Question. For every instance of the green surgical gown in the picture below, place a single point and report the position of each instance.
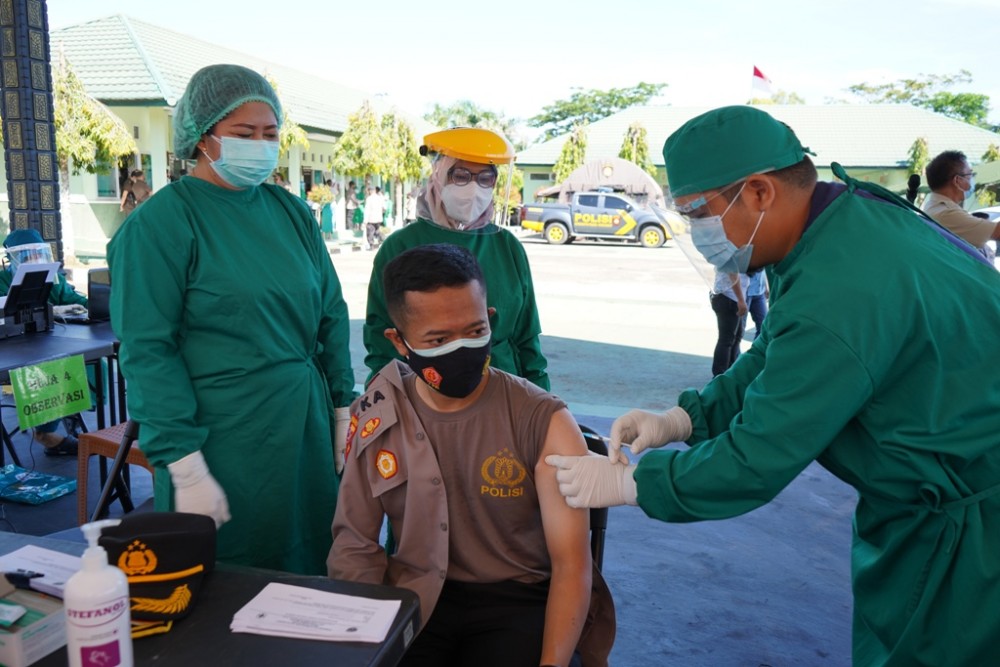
(234, 337)
(878, 359)
(515, 345)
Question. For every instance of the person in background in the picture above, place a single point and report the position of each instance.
(451, 451)
(351, 203)
(457, 207)
(758, 292)
(238, 369)
(730, 306)
(950, 178)
(374, 218)
(26, 246)
(134, 192)
(411, 208)
(874, 360)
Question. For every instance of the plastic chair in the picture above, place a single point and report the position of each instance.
(598, 515)
(116, 442)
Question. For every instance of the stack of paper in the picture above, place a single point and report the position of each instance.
(281, 610)
(55, 565)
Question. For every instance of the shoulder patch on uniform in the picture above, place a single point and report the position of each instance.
(370, 426)
(386, 464)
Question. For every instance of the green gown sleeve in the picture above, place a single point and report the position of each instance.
(149, 352)
(63, 294)
(335, 322)
(378, 349)
(791, 416)
(527, 329)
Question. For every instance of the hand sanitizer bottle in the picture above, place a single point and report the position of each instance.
(98, 621)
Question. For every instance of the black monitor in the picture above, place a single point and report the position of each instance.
(99, 295)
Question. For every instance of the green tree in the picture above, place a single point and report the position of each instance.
(919, 156)
(405, 163)
(361, 150)
(572, 155)
(780, 97)
(635, 148)
(88, 137)
(465, 113)
(929, 93)
(587, 106)
(291, 133)
(992, 153)
(517, 184)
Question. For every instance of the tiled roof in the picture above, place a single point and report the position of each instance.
(874, 135)
(122, 61)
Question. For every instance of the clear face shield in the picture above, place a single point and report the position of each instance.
(29, 253)
(701, 236)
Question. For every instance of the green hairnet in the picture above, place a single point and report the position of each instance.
(211, 95)
(724, 145)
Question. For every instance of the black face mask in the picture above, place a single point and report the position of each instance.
(454, 369)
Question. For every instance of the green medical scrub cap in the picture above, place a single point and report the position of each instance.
(211, 95)
(722, 146)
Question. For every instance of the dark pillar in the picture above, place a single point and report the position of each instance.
(29, 134)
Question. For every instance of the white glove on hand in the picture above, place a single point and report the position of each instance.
(196, 491)
(342, 422)
(646, 429)
(594, 481)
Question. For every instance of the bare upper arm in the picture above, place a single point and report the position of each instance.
(566, 529)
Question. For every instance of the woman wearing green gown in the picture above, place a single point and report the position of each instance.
(234, 334)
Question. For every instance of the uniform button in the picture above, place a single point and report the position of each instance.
(436, 481)
(420, 436)
(444, 526)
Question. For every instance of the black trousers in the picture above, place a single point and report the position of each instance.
(731, 325)
(483, 625)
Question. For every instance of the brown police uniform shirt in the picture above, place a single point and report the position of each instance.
(457, 487)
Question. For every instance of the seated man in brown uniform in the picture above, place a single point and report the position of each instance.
(453, 451)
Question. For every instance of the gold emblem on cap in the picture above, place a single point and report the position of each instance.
(176, 603)
(137, 559)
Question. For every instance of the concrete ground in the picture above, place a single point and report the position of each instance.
(628, 327)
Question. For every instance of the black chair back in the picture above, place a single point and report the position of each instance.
(598, 515)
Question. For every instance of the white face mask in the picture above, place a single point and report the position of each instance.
(465, 203)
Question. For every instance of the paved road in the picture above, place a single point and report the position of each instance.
(630, 327)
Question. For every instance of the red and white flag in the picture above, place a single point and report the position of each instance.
(761, 82)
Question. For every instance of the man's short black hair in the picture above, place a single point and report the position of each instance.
(944, 167)
(427, 268)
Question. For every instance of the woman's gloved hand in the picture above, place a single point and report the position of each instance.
(196, 491)
(594, 481)
(342, 422)
(640, 430)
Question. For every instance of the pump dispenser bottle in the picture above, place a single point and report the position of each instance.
(98, 621)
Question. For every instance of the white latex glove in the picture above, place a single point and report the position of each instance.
(196, 491)
(342, 422)
(641, 430)
(594, 481)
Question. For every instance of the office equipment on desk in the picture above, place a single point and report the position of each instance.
(26, 307)
(98, 307)
(99, 294)
(204, 637)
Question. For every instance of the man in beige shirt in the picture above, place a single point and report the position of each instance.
(950, 178)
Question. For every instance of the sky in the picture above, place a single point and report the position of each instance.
(517, 56)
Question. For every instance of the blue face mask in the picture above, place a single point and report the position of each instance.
(972, 187)
(709, 237)
(245, 163)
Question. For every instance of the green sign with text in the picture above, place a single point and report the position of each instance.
(50, 390)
